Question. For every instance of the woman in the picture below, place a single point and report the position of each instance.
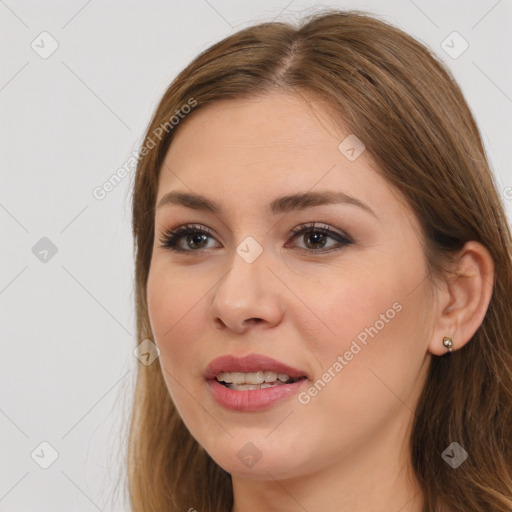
(324, 264)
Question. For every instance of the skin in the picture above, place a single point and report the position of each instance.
(347, 449)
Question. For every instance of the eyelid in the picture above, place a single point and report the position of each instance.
(320, 227)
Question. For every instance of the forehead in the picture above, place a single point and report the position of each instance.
(257, 123)
(253, 149)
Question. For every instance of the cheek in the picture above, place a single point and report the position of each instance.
(371, 364)
(375, 297)
(372, 313)
(353, 304)
(173, 306)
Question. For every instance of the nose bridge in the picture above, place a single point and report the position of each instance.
(244, 281)
(247, 290)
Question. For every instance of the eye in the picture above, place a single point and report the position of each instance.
(194, 237)
(317, 236)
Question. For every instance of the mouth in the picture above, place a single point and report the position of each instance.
(253, 369)
(253, 382)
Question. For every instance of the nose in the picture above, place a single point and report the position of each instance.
(246, 295)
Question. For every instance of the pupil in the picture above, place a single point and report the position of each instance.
(317, 237)
(193, 239)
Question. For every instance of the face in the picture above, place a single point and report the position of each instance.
(336, 291)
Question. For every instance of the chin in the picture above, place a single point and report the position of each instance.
(258, 460)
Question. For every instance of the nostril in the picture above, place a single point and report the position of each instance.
(253, 320)
(219, 323)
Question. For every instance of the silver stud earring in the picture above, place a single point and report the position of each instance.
(448, 343)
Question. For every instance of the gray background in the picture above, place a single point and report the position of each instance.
(68, 121)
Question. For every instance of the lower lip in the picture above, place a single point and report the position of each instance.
(254, 399)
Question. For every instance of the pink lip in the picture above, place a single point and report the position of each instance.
(251, 400)
(247, 364)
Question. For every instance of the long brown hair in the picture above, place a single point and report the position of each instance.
(400, 100)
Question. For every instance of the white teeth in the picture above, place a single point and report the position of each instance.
(270, 376)
(251, 378)
(255, 378)
(249, 387)
(237, 378)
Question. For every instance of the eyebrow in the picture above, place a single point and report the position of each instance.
(298, 201)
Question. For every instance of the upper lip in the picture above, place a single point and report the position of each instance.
(248, 364)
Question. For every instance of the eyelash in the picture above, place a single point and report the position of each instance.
(170, 238)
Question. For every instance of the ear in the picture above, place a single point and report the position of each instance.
(462, 300)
